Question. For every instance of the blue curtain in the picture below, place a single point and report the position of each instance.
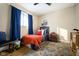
(30, 24)
(15, 23)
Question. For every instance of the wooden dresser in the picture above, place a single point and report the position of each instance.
(74, 39)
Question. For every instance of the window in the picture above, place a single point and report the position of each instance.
(24, 19)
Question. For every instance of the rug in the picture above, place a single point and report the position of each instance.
(52, 49)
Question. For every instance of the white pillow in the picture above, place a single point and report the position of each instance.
(42, 31)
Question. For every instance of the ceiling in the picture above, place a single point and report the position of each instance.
(42, 8)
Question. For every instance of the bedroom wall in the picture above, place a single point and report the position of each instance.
(5, 18)
(62, 22)
(77, 15)
(36, 23)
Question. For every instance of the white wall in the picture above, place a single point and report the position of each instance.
(61, 21)
(5, 18)
(36, 23)
(77, 15)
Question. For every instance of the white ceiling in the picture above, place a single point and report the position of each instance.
(42, 8)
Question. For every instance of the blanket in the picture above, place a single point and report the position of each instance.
(32, 39)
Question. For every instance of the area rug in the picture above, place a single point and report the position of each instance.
(52, 49)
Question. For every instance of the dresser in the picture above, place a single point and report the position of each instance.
(75, 38)
(46, 32)
(74, 41)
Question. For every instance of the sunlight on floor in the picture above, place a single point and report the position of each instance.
(63, 33)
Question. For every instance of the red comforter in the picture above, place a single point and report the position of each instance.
(32, 39)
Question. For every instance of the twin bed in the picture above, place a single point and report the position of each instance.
(33, 39)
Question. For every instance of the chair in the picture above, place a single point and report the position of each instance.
(53, 37)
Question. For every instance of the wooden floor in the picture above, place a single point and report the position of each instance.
(20, 52)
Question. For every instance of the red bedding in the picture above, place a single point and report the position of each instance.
(32, 39)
